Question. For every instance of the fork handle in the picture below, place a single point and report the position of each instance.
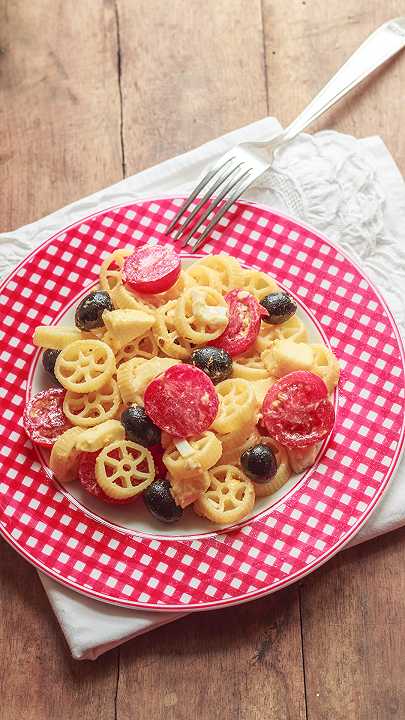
(379, 47)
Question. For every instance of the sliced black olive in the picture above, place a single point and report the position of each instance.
(215, 362)
(139, 427)
(259, 463)
(89, 312)
(280, 307)
(160, 502)
(48, 361)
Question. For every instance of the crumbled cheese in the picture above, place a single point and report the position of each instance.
(184, 448)
(243, 294)
(213, 316)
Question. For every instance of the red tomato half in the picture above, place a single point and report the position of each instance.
(182, 401)
(87, 478)
(244, 323)
(151, 269)
(297, 411)
(44, 420)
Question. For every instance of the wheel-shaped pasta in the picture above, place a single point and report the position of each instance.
(187, 490)
(201, 274)
(183, 458)
(229, 497)
(92, 408)
(237, 402)
(257, 283)
(110, 271)
(249, 366)
(124, 469)
(283, 469)
(200, 315)
(133, 377)
(167, 336)
(64, 460)
(143, 348)
(292, 329)
(85, 365)
(325, 365)
(226, 267)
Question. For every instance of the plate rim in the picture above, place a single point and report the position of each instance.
(310, 567)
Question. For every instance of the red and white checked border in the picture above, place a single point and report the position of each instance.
(269, 551)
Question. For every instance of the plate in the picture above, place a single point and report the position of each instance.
(113, 556)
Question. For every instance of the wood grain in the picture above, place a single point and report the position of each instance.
(60, 106)
(306, 46)
(38, 679)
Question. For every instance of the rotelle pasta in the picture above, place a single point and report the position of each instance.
(207, 361)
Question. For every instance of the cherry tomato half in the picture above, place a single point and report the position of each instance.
(44, 420)
(297, 411)
(182, 401)
(244, 323)
(151, 269)
(87, 478)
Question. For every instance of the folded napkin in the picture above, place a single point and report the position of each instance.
(349, 189)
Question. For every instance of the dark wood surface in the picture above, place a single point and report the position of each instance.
(91, 92)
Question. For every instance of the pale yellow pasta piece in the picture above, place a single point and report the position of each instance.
(167, 336)
(172, 293)
(260, 388)
(236, 439)
(237, 404)
(126, 325)
(231, 456)
(187, 490)
(96, 438)
(249, 366)
(225, 266)
(229, 497)
(283, 469)
(143, 348)
(124, 469)
(110, 271)
(286, 356)
(257, 283)
(293, 329)
(199, 319)
(133, 377)
(201, 274)
(201, 453)
(92, 408)
(55, 337)
(302, 458)
(85, 365)
(124, 299)
(325, 365)
(64, 459)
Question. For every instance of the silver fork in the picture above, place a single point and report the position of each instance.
(240, 167)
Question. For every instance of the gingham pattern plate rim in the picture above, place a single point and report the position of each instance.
(166, 605)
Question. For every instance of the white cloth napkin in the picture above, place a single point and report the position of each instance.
(349, 189)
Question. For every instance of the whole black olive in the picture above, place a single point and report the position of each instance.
(48, 361)
(89, 312)
(215, 362)
(160, 502)
(139, 427)
(280, 307)
(259, 463)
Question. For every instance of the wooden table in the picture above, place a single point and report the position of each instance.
(90, 92)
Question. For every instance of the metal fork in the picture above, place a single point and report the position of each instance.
(240, 167)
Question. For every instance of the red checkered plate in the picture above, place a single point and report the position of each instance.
(120, 555)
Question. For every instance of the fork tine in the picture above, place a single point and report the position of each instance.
(216, 200)
(239, 190)
(207, 177)
(204, 199)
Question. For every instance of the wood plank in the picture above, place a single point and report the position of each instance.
(352, 614)
(306, 46)
(190, 71)
(242, 662)
(60, 106)
(38, 678)
(204, 77)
